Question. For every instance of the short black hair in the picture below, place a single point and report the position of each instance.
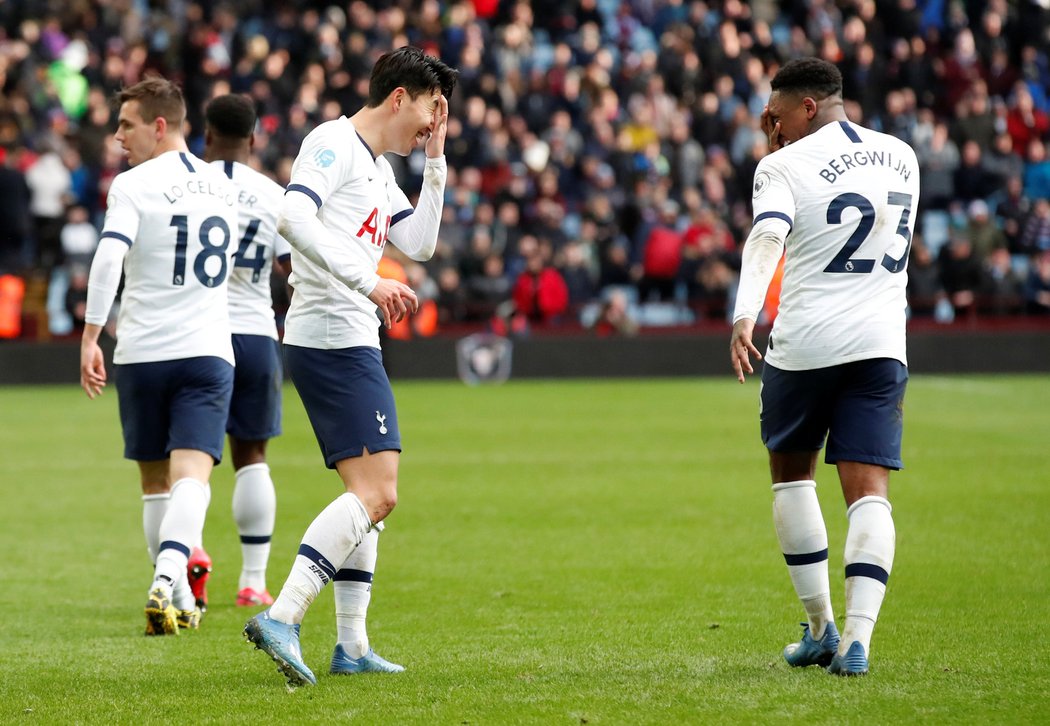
(231, 116)
(808, 77)
(413, 70)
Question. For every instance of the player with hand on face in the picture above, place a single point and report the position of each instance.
(169, 227)
(838, 200)
(341, 207)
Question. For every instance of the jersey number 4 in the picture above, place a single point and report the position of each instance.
(845, 261)
(256, 262)
(182, 226)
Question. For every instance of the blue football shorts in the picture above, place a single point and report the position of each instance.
(175, 404)
(255, 411)
(348, 398)
(858, 407)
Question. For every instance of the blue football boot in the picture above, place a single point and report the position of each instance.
(809, 651)
(854, 663)
(280, 641)
(370, 662)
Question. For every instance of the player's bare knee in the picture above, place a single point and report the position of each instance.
(385, 502)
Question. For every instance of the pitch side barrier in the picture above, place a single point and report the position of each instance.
(1016, 346)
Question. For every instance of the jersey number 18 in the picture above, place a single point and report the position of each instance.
(181, 223)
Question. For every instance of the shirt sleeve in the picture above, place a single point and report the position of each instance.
(319, 170)
(122, 215)
(281, 246)
(321, 167)
(772, 196)
(762, 252)
(104, 278)
(774, 208)
(415, 232)
(298, 223)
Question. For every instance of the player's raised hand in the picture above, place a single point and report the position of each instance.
(436, 142)
(92, 369)
(741, 348)
(772, 131)
(394, 299)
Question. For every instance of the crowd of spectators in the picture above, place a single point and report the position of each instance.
(600, 152)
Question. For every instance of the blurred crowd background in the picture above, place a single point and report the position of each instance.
(600, 152)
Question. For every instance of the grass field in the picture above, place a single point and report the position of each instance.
(563, 553)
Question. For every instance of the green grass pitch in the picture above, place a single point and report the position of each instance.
(563, 553)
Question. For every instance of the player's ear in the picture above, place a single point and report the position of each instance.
(810, 106)
(160, 127)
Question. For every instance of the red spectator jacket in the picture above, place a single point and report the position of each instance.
(541, 296)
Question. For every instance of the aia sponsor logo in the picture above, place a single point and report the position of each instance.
(370, 231)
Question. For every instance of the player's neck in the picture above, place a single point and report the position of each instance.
(170, 143)
(827, 113)
(238, 155)
(370, 124)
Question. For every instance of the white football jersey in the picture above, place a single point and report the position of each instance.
(258, 245)
(178, 216)
(848, 196)
(358, 200)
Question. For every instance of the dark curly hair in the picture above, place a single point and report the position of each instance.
(808, 77)
(231, 116)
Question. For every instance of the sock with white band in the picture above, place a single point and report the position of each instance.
(254, 511)
(331, 537)
(180, 529)
(154, 506)
(353, 593)
(870, 545)
(804, 542)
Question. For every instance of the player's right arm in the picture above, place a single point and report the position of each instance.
(319, 170)
(102, 289)
(774, 208)
(118, 233)
(762, 252)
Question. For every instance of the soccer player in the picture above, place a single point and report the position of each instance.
(255, 411)
(169, 225)
(341, 207)
(837, 199)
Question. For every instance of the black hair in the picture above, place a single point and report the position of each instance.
(411, 69)
(231, 116)
(808, 77)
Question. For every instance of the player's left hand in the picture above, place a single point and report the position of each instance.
(741, 348)
(436, 142)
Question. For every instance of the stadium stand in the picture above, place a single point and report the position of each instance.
(588, 140)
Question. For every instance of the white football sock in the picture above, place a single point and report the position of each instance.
(331, 537)
(353, 592)
(804, 542)
(153, 508)
(870, 543)
(182, 595)
(254, 510)
(180, 529)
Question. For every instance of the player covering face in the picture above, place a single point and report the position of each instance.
(341, 208)
(837, 201)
